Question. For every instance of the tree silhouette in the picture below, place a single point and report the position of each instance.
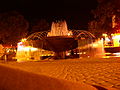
(13, 27)
(103, 14)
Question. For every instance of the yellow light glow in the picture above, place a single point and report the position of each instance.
(70, 33)
(112, 34)
(68, 54)
(107, 39)
(29, 48)
(107, 53)
(23, 40)
(104, 34)
(21, 47)
(106, 57)
(95, 45)
(34, 49)
(116, 40)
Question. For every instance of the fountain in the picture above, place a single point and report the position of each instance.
(93, 49)
(56, 42)
(58, 29)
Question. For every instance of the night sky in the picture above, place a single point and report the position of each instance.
(75, 12)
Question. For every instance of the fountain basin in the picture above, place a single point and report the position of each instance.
(55, 43)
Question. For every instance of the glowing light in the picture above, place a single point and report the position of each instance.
(58, 29)
(84, 52)
(107, 39)
(112, 41)
(23, 40)
(88, 56)
(104, 34)
(68, 54)
(116, 37)
(107, 53)
(117, 54)
(116, 40)
(29, 48)
(26, 48)
(20, 43)
(21, 47)
(70, 33)
(106, 57)
(112, 34)
(95, 45)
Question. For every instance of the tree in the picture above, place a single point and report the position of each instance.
(13, 27)
(103, 17)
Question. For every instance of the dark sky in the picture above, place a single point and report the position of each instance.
(75, 12)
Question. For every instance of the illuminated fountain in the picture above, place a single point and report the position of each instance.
(88, 45)
(56, 43)
(94, 49)
(59, 29)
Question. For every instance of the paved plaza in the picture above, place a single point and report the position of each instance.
(93, 71)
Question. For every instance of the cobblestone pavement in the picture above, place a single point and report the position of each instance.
(102, 72)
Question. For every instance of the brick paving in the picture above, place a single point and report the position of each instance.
(93, 71)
